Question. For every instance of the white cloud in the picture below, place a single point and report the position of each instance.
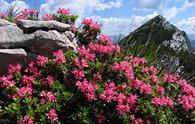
(18, 4)
(161, 7)
(187, 25)
(80, 7)
(172, 12)
(148, 5)
(3, 5)
(115, 26)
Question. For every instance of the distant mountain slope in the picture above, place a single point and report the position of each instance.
(116, 38)
(160, 31)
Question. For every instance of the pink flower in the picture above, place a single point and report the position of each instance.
(3, 15)
(49, 96)
(6, 81)
(145, 88)
(188, 102)
(26, 120)
(81, 63)
(28, 14)
(52, 115)
(140, 85)
(109, 94)
(63, 11)
(152, 70)
(42, 101)
(160, 90)
(74, 29)
(136, 61)
(187, 88)
(97, 76)
(24, 90)
(153, 78)
(105, 39)
(28, 80)
(47, 17)
(90, 24)
(88, 88)
(59, 57)
(14, 68)
(164, 101)
(49, 80)
(104, 49)
(86, 53)
(78, 74)
(125, 103)
(171, 78)
(41, 60)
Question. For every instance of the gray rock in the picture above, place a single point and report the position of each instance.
(11, 56)
(12, 37)
(38, 42)
(41, 38)
(6, 23)
(45, 42)
(30, 26)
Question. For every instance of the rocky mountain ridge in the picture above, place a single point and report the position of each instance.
(160, 31)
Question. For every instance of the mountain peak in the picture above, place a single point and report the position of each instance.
(160, 31)
(158, 18)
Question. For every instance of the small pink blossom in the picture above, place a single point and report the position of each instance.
(88, 88)
(136, 61)
(78, 74)
(24, 90)
(3, 15)
(63, 11)
(14, 68)
(105, 39)
(52, 115)
(59, 57)
(49, 96)
(47, 17)
(41, 60)
(26, 120)
(164, 101)
(188, 102)
(153, 78)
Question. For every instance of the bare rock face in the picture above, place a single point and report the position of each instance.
(30, 26)
(6, 23)
(27, 39)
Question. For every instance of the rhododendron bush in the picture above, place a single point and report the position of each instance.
(62, 15)
(95, 84)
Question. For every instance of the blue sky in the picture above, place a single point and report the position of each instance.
(118, 16)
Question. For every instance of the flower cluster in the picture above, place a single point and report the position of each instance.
(47, 17)
(89, 23)
(164, 101)
(88, 88)
(28, 14)
(3, 15)
(26, 120)
(63, 11)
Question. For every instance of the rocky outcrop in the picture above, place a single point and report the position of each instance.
(26, 39)
(160, 31)
(31, 26)
(164, 36)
